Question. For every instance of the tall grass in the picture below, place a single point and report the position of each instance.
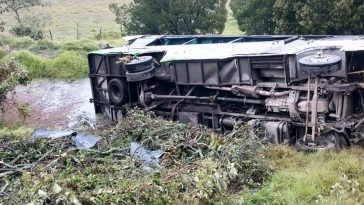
(16, 42)
(80, 46)
(45, 59)
(65, 65)
(319, 178)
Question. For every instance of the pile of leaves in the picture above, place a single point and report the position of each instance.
(199, 166)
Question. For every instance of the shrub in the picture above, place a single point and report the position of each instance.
(31, 26)
(27, 30)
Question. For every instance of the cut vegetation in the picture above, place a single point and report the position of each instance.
(198, 167)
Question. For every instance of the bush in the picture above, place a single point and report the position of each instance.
(35, 33)
(65, 65)
(81, 46)
(31, 26)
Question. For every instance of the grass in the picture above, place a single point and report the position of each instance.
(64, 15)
(216, 171)
(45, 59)
(318, 178)
(16, 42)
(65, 65)
(43, 45)
(231, 24)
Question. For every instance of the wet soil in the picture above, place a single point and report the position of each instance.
(53, 104)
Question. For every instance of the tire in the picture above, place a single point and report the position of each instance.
(323, 144)
(140, 64)
(117, 89)
(140, 76)
(320, 64)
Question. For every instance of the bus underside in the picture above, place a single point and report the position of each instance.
(306, 91)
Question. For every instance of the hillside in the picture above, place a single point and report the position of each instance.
(64, 15)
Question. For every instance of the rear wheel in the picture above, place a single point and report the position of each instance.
(319, 144)
(117, 89)
(332, 140)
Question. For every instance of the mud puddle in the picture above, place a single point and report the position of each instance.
(52, 104)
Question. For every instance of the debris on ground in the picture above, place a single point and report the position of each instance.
(143, 160)
(145, 156)
(81, 140)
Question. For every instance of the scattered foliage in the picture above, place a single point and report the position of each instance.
(199, 166)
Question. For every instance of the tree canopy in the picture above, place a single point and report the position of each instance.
(171, 16)
(299, 16)
(254, 16)
(17, 5)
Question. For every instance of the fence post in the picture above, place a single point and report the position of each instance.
(50, 34)
(78, 31)
(100, 34)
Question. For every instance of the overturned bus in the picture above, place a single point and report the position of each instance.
(302, 90)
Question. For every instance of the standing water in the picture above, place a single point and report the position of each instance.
(52, 104)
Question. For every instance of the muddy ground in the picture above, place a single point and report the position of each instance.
(52, 104)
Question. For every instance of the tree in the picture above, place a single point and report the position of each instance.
(285, 17)
(171, 16)
(329, 17)
(17, 5)
(121, 13)
(299, 16)
(254, 16)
